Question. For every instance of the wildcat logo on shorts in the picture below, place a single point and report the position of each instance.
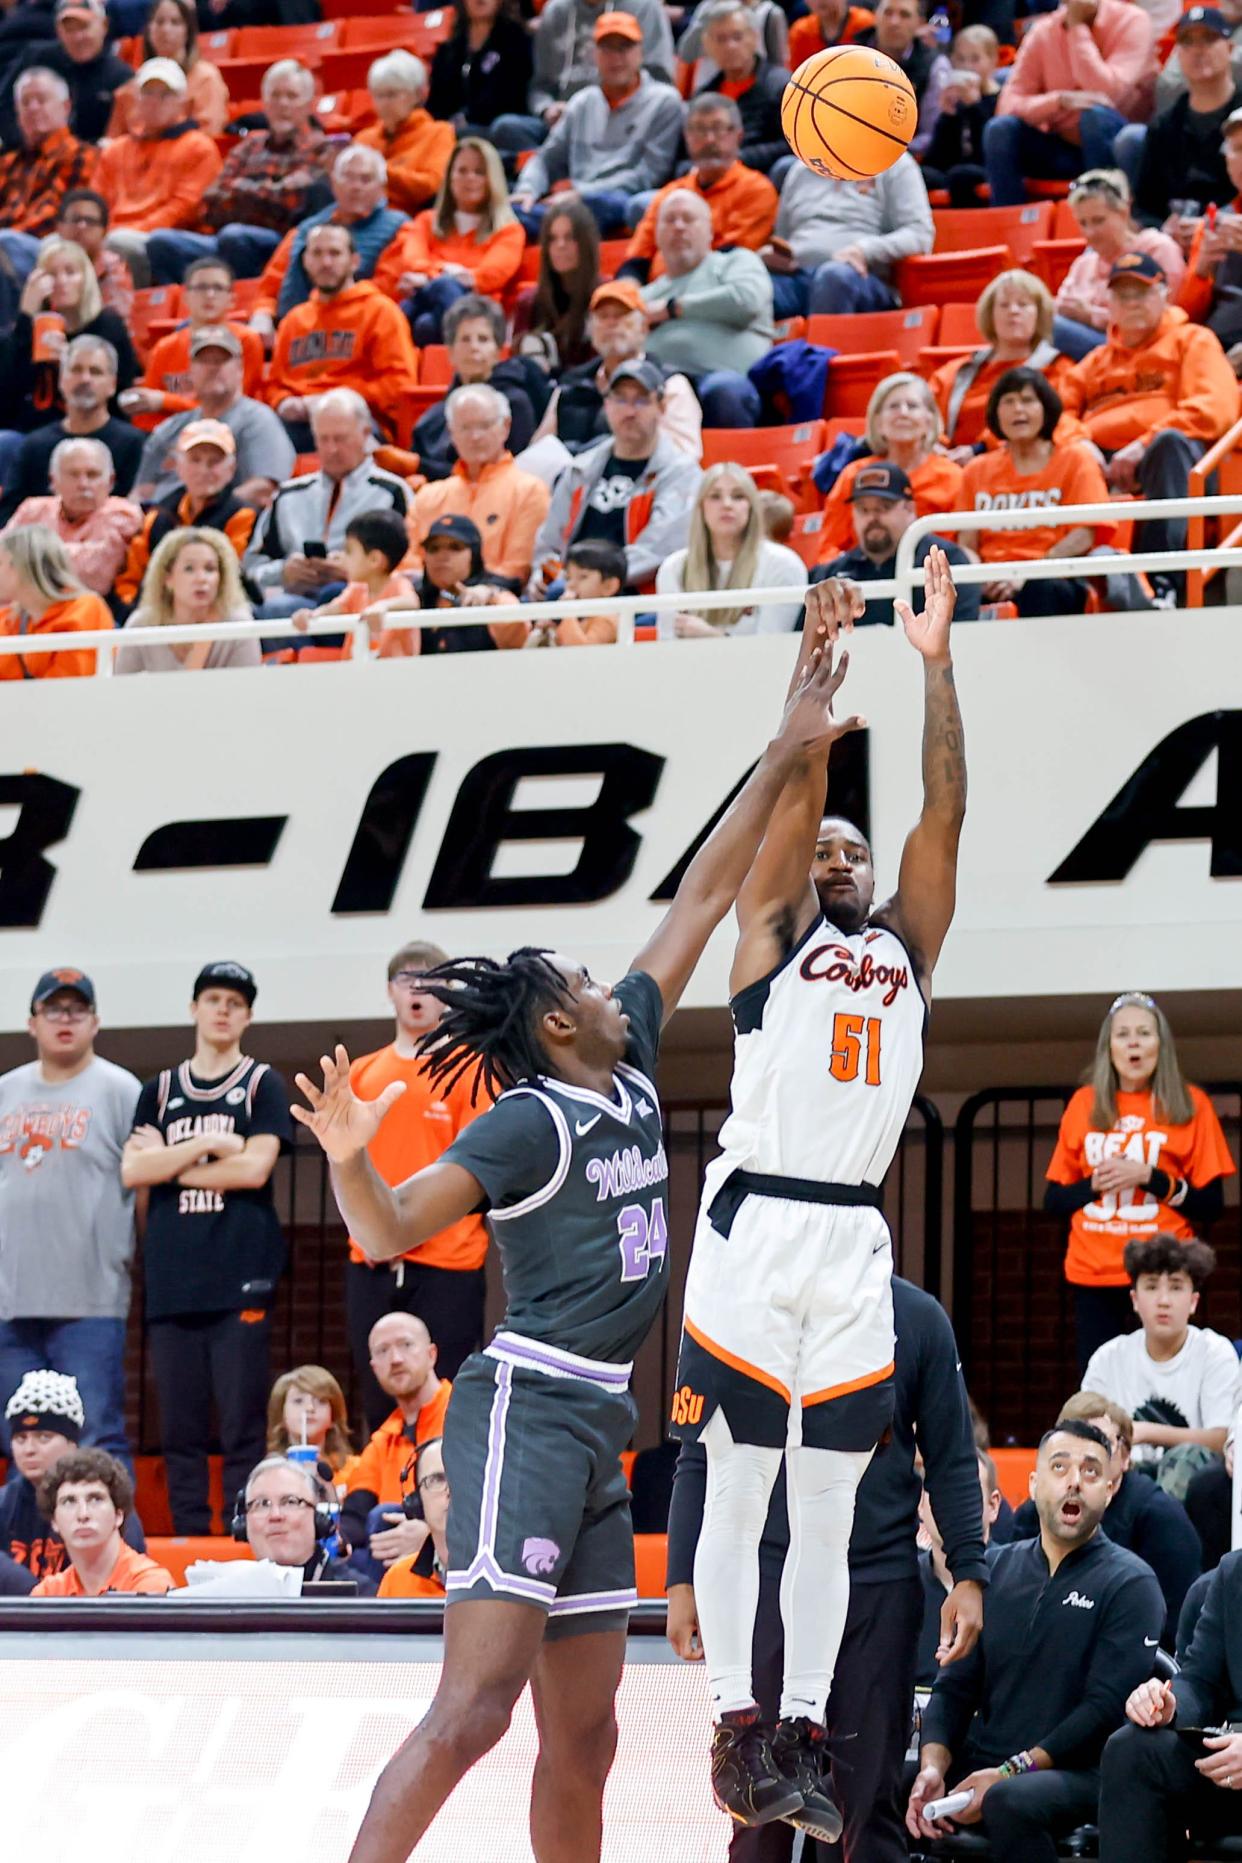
(540, 1556)
(687, 1407)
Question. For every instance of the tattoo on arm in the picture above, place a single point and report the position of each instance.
(944, 748)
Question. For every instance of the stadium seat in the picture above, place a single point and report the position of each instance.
(244, 76)
(360, 9)
(176, 1554)
(347, 71)
(959, 326)
(1013, 1469)
(852, 379)
(413, 32)
(936, 277)
(906, 331)
(778, 458)
(305, 43)
(1051, 259)
(805, 537)
(650, 1563)
(159, 304)
(611, 256)
(434, 368)
(958, 228)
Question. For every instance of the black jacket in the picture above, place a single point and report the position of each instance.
(1149, 1522)
(858, 565)
(30, 475)
(926, 1668)
(1182, 160)
(958, 135)
(32, 1542)
(930, 1404)
(477, 87)
(763, 139)
(1058, 1656)
(513, 379)
(30, 391)
(92, 88)
(1209, 1689)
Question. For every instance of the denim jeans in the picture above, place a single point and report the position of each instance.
(510, 134)
(10, 447)
(832, 289)
(1128, 151)
(1013, 152)
(427, 307)
(169, 253)
(1075, 339)
(727, 399)
(609, 205)
(90, 1350)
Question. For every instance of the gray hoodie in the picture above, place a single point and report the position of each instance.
(670, 484)
(565, 46)
(630, 148)
(887, 219)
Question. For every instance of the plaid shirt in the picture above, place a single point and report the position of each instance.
(261, 185)
(33, 182)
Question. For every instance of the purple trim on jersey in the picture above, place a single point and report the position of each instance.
(594, 1601)
(547, 1358)
(483, 1569)
(495, 1460)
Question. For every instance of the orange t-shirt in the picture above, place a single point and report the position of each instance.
(378, 1470)
(991, 483)
(1099, 1232)
(936, 484)
(133, 1572)
(402, 1581)
(423, 1124)
(77, 614)
(806, 35)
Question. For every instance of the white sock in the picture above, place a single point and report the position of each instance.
(726, 1566)
(815, 1584)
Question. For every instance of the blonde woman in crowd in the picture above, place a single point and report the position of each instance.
(41, 594)
(729, 549)
(192, 579)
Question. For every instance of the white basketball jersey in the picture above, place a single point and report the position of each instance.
(828, 1050)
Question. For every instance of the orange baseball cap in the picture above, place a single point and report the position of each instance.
(618, 26)
(617, 291)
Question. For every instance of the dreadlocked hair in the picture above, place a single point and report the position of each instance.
(490, 1020)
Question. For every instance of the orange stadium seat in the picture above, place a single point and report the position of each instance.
(958, 228)
(650, 1563)
(151, 1492)
(347, 71)
(778, 458)
(301, 42)
(159, 304)
(434, 368)
(852, 380)
(1051, 259)
(611, 256)
(215, 45)
(906, 331)
(359, 9)
(1064, 225)
(805, 537)
(176, 1554)
(413, 32)
(1013, 1469)
(958, 327)
(935, 277)
(244, 76)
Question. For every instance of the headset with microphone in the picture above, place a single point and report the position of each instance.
(325, 1516)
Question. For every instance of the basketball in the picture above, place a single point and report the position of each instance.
(849, 112)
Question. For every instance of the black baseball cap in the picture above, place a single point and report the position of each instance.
(225, 975)
(880, 481)
(1139, 265)
(53, 980)
(640, 369)
(1209, 18)
(461, 529)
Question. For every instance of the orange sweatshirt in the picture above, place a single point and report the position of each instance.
(157, 181)
(358, 339)
(168, 368)
(417, 155)
(743, 208)
(206, 102)
(970, 426)
(1179, 378)
(507, 504)
(806, 36)
(492, 261)
(936, 484)
(77, 614)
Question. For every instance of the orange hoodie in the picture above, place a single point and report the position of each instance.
(358, 339)
(417, 155)
(77, 614)
(157, 181)
(1179, 378)
(493, 262)
(743, 208)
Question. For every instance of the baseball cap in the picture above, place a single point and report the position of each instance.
(207, 433)
(225, 975)
(1210, 18)
(618, 26)
(164, 71)
(215, 336)
(617, 291)
(97, 7)
(640, 369)
(460, 529)
(880, 481)
(1139, 265)
(47, 1400)
(66, 979)
(1232, 121)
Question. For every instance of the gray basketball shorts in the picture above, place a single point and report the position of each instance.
(540, 1510)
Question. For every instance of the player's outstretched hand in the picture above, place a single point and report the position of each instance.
(832, 607)
(928, 633)
(343, 1124)
(808, 726)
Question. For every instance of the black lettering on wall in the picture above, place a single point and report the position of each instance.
(1145, 808)
(483, 818)
(382, 839)
(246, 841)
(46, 809)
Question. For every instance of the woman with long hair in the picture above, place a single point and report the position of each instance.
(568, 274)
(468, 241)
(307, 1405)
(171, 31)
(728, 549)
(1014, 315)
(1101, 202)
(1140, 1152)
(904, 428)
(192, 579)
(483, 69)
(60, 300)
(40, 594)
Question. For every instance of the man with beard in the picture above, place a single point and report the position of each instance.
(884, 509)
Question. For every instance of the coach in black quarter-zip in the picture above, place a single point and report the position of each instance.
(1071, 1627)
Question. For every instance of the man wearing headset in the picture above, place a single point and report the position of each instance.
(283, 1517)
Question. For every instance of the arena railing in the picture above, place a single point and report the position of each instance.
(903, 584)
(1012, 1307)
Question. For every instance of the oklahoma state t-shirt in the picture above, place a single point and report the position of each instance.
(1099, 1232)
(991, 483)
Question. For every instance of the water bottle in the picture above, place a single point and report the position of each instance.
(306, 1456)
(942, 29)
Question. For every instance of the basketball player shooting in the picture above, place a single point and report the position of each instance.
(569, 1165)
(787, 1346)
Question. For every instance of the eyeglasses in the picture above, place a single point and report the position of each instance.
(199, 284)
(285, 1502)
(433, 1484)
(81, 219)
(61, 1012)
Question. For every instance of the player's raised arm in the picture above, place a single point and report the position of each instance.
(711, 882)
(383, 1222)
(922, 908)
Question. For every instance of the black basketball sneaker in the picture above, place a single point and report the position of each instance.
(797, 1750)
(745, 1780)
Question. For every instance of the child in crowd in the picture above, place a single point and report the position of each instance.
(375, 542)
(778, 515)
(968, 103)
(594, 571)
(1179, 1382)
(307, 1405)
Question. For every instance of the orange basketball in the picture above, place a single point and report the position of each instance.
(849, 112)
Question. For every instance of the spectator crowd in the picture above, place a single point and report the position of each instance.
(529, 284)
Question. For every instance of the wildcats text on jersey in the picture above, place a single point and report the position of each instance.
(624, 1172)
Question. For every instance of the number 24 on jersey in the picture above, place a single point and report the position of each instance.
(642, 1238)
